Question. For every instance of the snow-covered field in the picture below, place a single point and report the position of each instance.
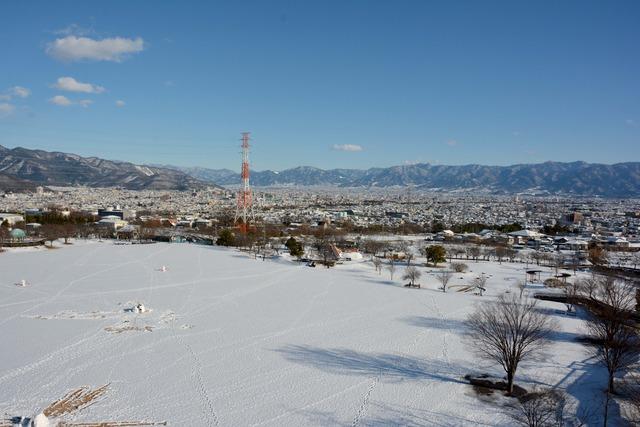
(230, 340)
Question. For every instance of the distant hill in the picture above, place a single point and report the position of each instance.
(576, 178)
(21, 169)
(16, 185)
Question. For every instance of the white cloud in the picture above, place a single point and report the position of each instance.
(60, 100)
(452, 143)
(72, 48)
(120, 103)
(63, 101)
(19, 91)
(5, 97)
(6, 109)
(72, 85)
(347, 147)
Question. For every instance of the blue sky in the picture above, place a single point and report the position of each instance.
(328, 84)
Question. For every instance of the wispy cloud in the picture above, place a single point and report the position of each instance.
(6, 109)
(452, 143)
(15, 91)
(63, 101)
(120, 103)
(74, 29)
(347, 147)
(630, 122)
(19, 91)
(72, 48)
(72, 85)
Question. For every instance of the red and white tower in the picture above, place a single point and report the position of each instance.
(244, 208)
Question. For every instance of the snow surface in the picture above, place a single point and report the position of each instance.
(229, 340)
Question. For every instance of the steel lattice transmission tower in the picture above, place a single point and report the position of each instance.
(244, 207)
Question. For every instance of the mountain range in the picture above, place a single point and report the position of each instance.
(22, 169)
(575, 178)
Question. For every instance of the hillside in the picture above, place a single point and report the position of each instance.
(38, 167)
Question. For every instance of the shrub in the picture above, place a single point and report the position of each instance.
(459, 267)
(553, 283)
(226, 238)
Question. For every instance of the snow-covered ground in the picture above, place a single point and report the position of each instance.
(229, 340)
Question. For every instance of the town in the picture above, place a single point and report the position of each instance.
(544, 223)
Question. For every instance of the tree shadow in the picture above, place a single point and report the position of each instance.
(392, 366)
(452, 325)
(383, 282)
(590, 399)
(458, 326)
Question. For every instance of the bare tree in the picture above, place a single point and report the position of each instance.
(610, 325)
(500, 253)
(409, 255)
(67, 231)
(377, 263)
(403, 246)
(4, 235)
(522, 285)
(572, 290)
(412, 274)
(372, 246)
(479, 284)
(540, 409)
(444, 277)
(391, 267)
(588, 287)
(511, 254)
(508, 331)
(51, 233)
(474, 251)
(459, 267)
(537, 257)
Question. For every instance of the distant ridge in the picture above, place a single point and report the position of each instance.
(554, 178)
(22, 169)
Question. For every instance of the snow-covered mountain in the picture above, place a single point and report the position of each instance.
(22, 168)
(579, 178)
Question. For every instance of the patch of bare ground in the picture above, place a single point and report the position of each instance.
(82, 398)
(75, 400)
(485, 385)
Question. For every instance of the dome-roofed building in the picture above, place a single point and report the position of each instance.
(17, 235)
